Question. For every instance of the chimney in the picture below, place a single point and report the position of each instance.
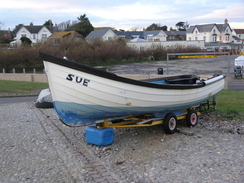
(226, 21)
(31, 24)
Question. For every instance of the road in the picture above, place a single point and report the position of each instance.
(6, 100)
(236, 84)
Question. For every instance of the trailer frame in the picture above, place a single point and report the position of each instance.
(146, 120)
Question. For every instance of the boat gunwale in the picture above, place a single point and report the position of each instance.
(104, 74)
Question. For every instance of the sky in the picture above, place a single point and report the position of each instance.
(122, 14)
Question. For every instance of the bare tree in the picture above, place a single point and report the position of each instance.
(1, 25)
(134, 29)
(64, 25)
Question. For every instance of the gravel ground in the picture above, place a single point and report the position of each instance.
(34, 149)
(205, 66)
(27, 153)
(146, 154)
(36, 146)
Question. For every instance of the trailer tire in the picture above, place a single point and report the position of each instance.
(44, 105)
(170, 123)
(191, 118)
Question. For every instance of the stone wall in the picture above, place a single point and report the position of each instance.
(42, 78)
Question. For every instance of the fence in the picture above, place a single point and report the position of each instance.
(13, 70)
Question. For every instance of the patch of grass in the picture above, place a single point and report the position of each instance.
(230, 102)
(20, 86)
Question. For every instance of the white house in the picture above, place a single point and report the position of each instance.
(34, 33)
(217, 37)
(155, 36)
(210, 33)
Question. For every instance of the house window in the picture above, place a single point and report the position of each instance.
(34, 36)
(214, 38)
(195, 38)
(204, 38)
(150, 37)
(189, 38)
(44, 36)
(23, 35)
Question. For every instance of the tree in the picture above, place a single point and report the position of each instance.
(25, 41)
(83, 18)
(83, 27)
(156, 27)
(1, 25)
(49, 23)
(182, 26)
(64, 25)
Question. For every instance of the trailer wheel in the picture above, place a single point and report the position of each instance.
(170, 123)
(191, 118)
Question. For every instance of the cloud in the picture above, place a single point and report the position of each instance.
(130, 11)
(237, 25)
(122, 14)
(233, 10)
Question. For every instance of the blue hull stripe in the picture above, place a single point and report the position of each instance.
(74, 114)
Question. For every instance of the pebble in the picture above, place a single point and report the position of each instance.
(32, 151)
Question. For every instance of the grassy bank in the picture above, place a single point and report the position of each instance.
(21, 87)
(230, 101)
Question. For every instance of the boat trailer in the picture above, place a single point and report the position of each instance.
(169, 122)
(103, 133)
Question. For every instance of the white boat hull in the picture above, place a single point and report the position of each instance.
(81, 98)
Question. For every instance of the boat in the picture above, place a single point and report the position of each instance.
(83, 95)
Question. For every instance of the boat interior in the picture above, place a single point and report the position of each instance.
(181, 79)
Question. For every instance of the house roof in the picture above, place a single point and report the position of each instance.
(99, 34)
(154, 33)
(34, 29)
(140, 34)
(236, 38)
(61, 34)
(201, 28)
(207, 27)
(133, 34)
(175, 33)
(239, 31)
